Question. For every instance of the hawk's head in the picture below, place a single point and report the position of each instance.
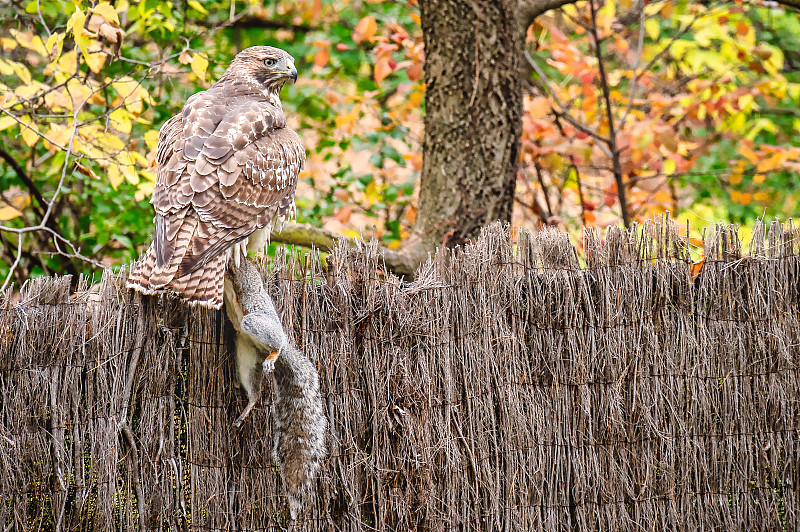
(266, 66)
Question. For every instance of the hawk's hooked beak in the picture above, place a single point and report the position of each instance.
(292, 73)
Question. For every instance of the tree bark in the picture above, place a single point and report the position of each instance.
(473, 117)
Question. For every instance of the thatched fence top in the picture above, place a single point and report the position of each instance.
(507, 388)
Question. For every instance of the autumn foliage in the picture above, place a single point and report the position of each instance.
(632, 109)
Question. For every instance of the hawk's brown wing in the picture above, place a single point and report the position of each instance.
(225, 169)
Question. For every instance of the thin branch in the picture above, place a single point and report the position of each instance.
(580, 192)
(612, 135)
(636, 71)
(545, 216)
(23, 176)
(563, 112)
(14, 265)
(45, 224)
(255, 22)
(666, 48)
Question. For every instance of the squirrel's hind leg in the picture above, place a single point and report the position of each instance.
(248, 361)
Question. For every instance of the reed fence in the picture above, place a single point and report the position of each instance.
(511, 386)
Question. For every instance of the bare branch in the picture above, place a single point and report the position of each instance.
(563, 108)
(14, 265)
(402, 262)
(612, 134)
(636, 71)
(530, 9)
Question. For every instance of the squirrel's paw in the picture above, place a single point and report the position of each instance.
(269, 365)
(265, 331)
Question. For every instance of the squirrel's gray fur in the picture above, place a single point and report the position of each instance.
(297, 411)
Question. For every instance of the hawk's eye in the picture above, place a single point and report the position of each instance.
(269, 62)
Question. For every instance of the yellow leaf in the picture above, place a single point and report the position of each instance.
(8, 212)
(608, 11)
(197, 6)
(105, 10)
(138, 158)
(120, 120)
(6, 122)
(199, 65)
(652, 28)
(110, 143)
(54, 45)
(626, 3)
(144, 189)
(76, 20)
(30, 133)
(68, 62)
(26, 92)
(7, 44)
(114, 176)
(132, 93)
(30, 41)
(75, 25)
(151, 138)
(8, 67)
(669, 167)
(59, 134)
(94, 60)
(372, 194)
(78, 92)
(128, 167)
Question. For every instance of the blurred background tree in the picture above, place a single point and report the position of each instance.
(590, 114)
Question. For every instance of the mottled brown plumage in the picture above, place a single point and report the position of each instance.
(227, 165)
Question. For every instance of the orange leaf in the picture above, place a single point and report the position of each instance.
(411, 214)
(539, 107)
(344, 214)
(742, 29)
(415, 72)
(382, 69)
(321, 57)
(365, 29)
(696, 267)
(749, 154)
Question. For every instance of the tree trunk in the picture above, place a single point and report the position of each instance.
(473, 117)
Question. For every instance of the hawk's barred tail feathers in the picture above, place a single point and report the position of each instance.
(202, 287)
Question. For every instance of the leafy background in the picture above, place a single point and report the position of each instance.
(703, 102)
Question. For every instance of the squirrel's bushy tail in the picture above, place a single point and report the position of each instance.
(297, 410)
(300, 424)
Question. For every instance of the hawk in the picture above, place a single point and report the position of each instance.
(227, 165)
